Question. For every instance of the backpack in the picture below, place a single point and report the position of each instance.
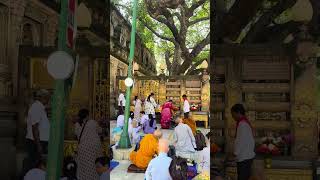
(200, 140)
(172, 151)
(178, 168)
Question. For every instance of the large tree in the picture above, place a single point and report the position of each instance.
(181, 29)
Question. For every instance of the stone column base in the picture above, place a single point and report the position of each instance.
(122, 154)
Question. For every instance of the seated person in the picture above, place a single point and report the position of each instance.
(191, 123)
(69, 169)
(120, 120)
(102, 164)
(214, 147)
(147, 150)
(130, 122)
(150, 125)
(158, 167)
(135, 136)
(144, 117)
(204, 158)
(184, 140)
(37, 173)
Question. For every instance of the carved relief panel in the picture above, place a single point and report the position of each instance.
(304, 114)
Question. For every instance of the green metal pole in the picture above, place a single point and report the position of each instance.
(56, 141)
(124, 142)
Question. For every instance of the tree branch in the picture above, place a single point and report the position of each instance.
(198, 20)
(195, 6)
(155, 32)
(266, 19)
(198, 48)
(195, 71)
(167, 58)
(196, 64)
(123, 6)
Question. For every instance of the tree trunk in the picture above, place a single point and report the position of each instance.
(176, 60)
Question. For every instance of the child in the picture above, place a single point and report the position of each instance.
(102, 166)
(130, 123)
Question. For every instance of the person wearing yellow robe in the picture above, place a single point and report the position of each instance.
(148, 148)
(191, 123)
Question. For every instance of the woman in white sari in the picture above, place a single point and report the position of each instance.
(89, 146)
(137, 108)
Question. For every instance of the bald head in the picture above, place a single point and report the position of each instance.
(157, 133)
(163, 145)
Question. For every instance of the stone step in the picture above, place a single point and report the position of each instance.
(121, 154)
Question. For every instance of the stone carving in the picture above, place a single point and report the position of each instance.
(233, 85)
(304, 115)
(304, 148)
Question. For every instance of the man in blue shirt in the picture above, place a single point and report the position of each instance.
(158, 168)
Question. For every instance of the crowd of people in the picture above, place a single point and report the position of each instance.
(153, 152)
(89, 162)
(160, 158)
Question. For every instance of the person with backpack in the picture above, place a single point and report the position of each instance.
(178, 168)
(158, 168)
(184, 140)
(244, 143)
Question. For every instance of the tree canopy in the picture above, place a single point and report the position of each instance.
(177, 31)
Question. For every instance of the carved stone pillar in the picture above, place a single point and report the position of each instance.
(5, 73)
(51, 33)
(10, 17)
(304, 114)
(17, 13)
(205, 93)
(183, 91)
(233, 96)
(251, 102)
(162, 90)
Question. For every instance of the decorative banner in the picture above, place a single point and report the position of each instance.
(71, 23)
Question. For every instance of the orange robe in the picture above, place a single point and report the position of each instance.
(148, 148)
(192, 124)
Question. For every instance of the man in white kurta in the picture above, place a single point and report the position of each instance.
(186, 106)
(121, 102)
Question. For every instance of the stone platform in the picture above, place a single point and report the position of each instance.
(121, 154)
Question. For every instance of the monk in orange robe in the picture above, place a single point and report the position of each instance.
(148, 148)
(191, 123)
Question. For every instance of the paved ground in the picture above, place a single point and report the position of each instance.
(120, 172)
